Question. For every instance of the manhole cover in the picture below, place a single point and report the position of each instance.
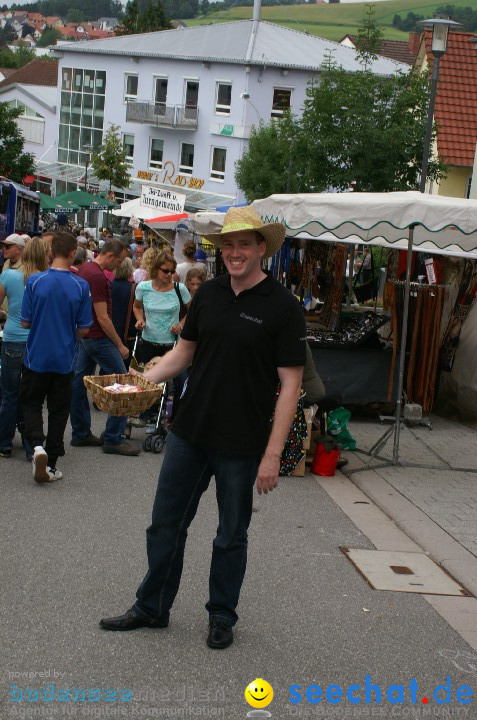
(403, 572)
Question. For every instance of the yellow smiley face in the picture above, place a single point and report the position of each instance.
(259, 693)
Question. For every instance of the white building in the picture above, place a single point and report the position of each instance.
(33, 88)
(185, 100)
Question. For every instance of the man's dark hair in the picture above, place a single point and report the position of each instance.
(114, 246)
(63, 242)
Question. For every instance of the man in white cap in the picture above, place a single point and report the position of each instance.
(244, 335)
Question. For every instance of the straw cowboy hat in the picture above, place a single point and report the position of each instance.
(240, 219)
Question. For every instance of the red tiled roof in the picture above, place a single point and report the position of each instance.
(36, 72)
(456, 100)
(7, 71)
(395, 49)
(69, 32)
(99, 34)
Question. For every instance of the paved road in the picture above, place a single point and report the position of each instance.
(74, 552)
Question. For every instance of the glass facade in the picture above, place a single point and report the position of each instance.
(81, 113)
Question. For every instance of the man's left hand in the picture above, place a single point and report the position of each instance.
(267, 477)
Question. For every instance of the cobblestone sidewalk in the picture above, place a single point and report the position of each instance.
(447, 495)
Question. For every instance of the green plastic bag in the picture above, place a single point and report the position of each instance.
(337, 427)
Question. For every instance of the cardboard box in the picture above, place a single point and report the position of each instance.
(300, 470)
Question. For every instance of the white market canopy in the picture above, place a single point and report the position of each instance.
(439, 222)
(133, 208)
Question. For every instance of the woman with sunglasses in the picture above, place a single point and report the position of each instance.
(157, 308)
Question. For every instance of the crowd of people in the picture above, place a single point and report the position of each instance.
(71, 307)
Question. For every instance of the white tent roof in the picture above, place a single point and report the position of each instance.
(439, 222)
(328, 217)
(133, 207)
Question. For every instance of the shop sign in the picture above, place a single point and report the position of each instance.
(160, 199)
(227, 130)
(168, 176)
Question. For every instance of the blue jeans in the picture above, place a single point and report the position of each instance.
(10, 408)
(185, 474)
(92, 352)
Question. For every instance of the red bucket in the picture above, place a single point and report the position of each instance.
(324, 462)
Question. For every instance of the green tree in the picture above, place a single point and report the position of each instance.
(130, 21)
(7, 35)
(368, 130)
(369, 39)
(23, 55)
(14, 163)
(109, 160)
(356, 128)
(273, 152)
(153, 18)
(49, 36)
(75, 15)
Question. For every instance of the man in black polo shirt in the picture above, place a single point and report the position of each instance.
(244, 333)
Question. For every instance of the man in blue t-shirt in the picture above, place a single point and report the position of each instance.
(57, 309)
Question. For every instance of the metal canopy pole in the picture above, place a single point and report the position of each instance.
(402, 353)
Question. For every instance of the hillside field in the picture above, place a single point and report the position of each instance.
(335, 20)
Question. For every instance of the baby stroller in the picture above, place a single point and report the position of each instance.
(156, 419)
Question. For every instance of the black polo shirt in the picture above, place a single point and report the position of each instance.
(241, 341)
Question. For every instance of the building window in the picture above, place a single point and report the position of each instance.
(160, 91)
(217, 165)
(130, 87)
(128, 145)
(223, 98)
(81, 113)
(25, 110)
(281, 101)
(156, 153)
(187, 159)
(191, 93)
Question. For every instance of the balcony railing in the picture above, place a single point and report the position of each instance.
(179, 117)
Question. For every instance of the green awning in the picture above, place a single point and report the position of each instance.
(52, 204)
(85, 200)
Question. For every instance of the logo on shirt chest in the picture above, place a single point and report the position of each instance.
(258, 321)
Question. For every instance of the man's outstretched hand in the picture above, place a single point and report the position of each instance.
(268, 471)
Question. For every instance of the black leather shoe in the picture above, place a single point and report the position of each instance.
(220, 635)
(88, 441)
(131, 621)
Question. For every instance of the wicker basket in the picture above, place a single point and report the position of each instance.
(122, 404)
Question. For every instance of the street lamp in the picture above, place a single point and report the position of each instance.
(440, 30)
(88, 149)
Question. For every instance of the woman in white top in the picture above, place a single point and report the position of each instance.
(182, 269)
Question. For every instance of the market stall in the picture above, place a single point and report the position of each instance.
(420, 220)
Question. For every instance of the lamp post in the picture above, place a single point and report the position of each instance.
(440, 30)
